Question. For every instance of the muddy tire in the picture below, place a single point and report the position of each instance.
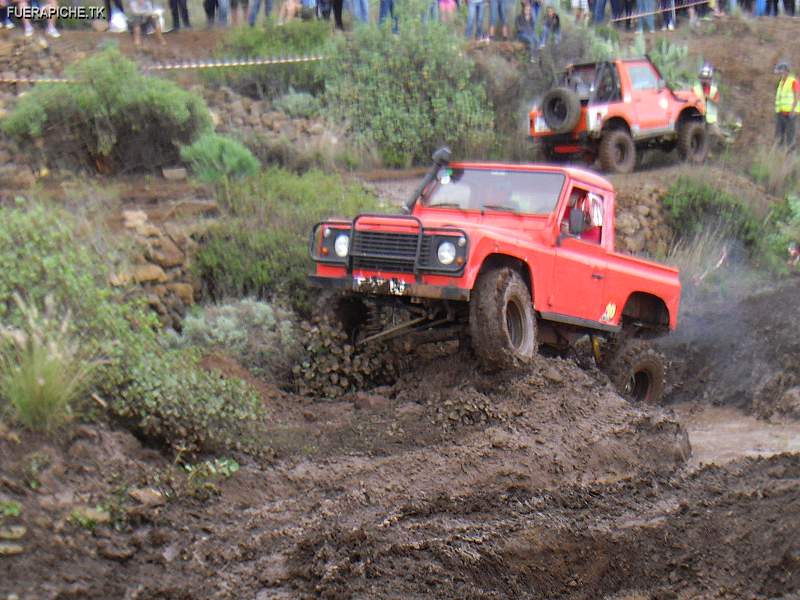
(638, 371)
(617, 151)
(693, 142)
(502, 323)
(561, 109)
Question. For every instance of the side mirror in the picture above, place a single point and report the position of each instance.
(441, 157)
(577, 222)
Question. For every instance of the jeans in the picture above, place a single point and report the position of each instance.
(785, 130)
(255, 7)
(646, 6)
(474, 16)
(361, 10)
(761, 8)
(668, 6)
(772, 8)
(547, 34)
(617, 9)
(387, 9)
(599, 11)
(498, 12)
(179, 11)
(528, 38)
(220, 8)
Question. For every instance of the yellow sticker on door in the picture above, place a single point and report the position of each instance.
(608, 314)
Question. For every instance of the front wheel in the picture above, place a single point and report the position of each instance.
(638, 371)
(502, 323)
(693, 142)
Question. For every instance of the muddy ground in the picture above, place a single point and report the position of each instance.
(541, 483)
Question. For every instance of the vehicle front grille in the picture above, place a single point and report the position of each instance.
(385, 251)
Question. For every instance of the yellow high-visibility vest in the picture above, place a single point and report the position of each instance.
(711, 106)
(784, 96)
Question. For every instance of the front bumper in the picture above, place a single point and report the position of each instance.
(390, 287)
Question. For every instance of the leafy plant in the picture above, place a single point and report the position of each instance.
(299, 104)
(262, 336)
(41, 370)
(215, 158)
(171, 400)
(674, 63)
(263, 251)
(201, 480)
(295, 38)
(10, 508)
(113, 119)
(777, 169)
(409, 93)
(88, 518)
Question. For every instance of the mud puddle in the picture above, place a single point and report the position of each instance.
(720, 435)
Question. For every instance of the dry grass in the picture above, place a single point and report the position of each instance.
(777, 169)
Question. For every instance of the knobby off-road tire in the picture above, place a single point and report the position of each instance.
(693, 142)
(637, 370)
(617, 151)
(561, 109)
(502, 323)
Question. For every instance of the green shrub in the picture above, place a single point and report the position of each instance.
(674, 63)
(409, 93)
(295, 38)
(263, 251)
(41, 371)
(782, 227)
(262, 336)
(214, 158)
(114, 118)
(694, 205)
(299, 104)
(173, 401)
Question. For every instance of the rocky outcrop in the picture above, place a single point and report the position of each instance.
(641, 225)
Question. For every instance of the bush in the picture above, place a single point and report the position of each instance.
(41, 372)
(409, 93)
(299, 104)
(295, 38)
(262, 336)
(173, 401)
(114, 119)
(694, 205)
(674, 64)
(214, 158)
(782, 227)
(263, 250)
(777, 169)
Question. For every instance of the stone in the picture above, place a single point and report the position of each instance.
(5, 156)
(174, 174)
(147, 496)
(184, 291)
(96, 515)
(215, 120)
(14, 532)
(149, 272)
(316, 128)
(643, 210)
(11, 549)
(100, 25)
(134, 218)
(120, 279)
(110, 550)
(365, 401)
(166, 253)
(154, 301)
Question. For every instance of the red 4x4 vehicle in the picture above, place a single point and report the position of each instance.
(613, 110)
(508, 257)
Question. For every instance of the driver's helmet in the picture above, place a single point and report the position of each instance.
(706, 72)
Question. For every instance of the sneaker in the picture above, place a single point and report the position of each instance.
(28, 31)
(8, 24)
(671, 27)
(53, 32)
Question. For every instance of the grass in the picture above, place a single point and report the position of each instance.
(777, 169)
(42, 373)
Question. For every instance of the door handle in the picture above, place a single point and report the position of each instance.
(597, 275)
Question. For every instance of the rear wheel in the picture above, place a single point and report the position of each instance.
(693, 142)
(617, 151)
(637, 370)
(501, 319)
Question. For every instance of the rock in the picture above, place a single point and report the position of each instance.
(316, 128)
(100, 25)
(147, 230)
(120, 279)
(410, 409)
(174, 174)
(149, 272)
(134, 218)
(643, 210)
(96, 515)
(147, 496)
(154, 301)
(365, 401)
(14, 532)
(184, 291)
(5, 156)
(166, 253)
(11, 549)
(114, 551)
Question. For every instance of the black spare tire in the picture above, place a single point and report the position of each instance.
(561, 109)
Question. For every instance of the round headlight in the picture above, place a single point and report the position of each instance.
(446, 253)
(341, 245)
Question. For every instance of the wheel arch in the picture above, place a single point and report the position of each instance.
(614, 123)
(690, 113)
(647, 310)
(497, 260)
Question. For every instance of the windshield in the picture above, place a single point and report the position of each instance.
(534, 193)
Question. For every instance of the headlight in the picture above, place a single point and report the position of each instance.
(341, 245)
(446, 253)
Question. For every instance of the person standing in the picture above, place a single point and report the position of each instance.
(385, 10)
(668, 14)
(255, 7)
(361, 10)
(498, 10)
(787, 105)
(474, 18)
(646, 8)
(179, 12)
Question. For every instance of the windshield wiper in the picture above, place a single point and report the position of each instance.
(500, 207)
(446, 205)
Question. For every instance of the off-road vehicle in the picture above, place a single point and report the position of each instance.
(507, 258)
(613, 111)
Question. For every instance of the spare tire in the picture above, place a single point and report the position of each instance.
(561, 109)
